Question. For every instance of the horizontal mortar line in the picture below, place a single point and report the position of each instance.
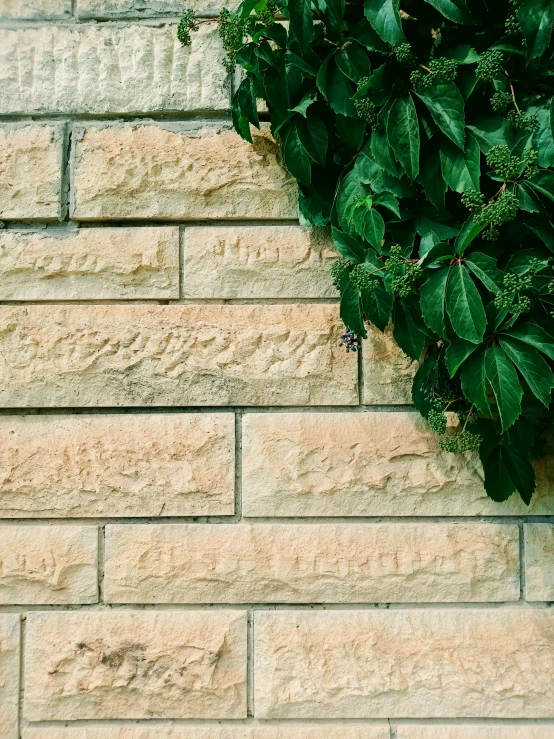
(197, 115)
(83, 21)
(74, 225)
(173, 301)
(189, 409)
(235, 723)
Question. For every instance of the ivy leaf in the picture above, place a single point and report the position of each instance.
(484, 268)
(349, 247)
(408, 327)
(456, 354)
(378, 87)
(334, 14)
(369, 224)
(337, 89)
(505, 385)
(534, 335)
(314, 138)
(308, 99)
(543, 183)
(377, 306)
(527, 199)
(353, 62)
(301, 22)
(295, 156)
(464, 305)
(491, 132)
(425, 378)
(463, 54)
(430, 175)
(454, 10)
(536, 18)
(532, 366)
(474, 380)
(470, 231)
(384, 16)
(433, 301)
(543, 139)
(403, 134)
(389, 201)
(350, 310)
(506, 471)
(446, 105)
(439, 251)
(382, 152)
(461, 169)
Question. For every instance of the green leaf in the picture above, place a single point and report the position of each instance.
(353, 62)
(314, 138)
(433, 301)
(369, 224)
(389, 201)
(446, 105)
(408, 327)
(463, 54)
(308, 99)
(385, 19)
(470, 231)
(350, 310)
(425, 378)
(461, 169)
(348, 247)
(491, 132)
(527, 199)
(334, 15)
(377, 306)
(301, 22)
(464, 305)
(543, 138)
(474, 380)
(543, 183)
(536, 18)
(351, 131)
(440, 251)
(506, 471)
(382, 152)
(504, 381)
(336, 88)
(535, 336)
(295, 156)
(403, 134)
(535, 371)
(370, 172)
(456, 354)
(454, 10)
(484, 268)
(431, 177)
(378, 87)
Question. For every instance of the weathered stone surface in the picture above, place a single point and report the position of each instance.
(93, 263)
(365, 464)
(313, 563)
(124, 664)
(411, 663)
(149, 8)
(388, 372)
(287, 731)
(9, 675)
(35, 9)
(178, 172)
(492, 731)
(144, 355)
(110, 69)
(48, 564)
(173, 464)
(539, 561)
(31, 162)
(257, 262)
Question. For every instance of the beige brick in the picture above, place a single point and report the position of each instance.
(35, 9)
(286, 731)
(447, 663)
(539, 561)
(178, 173)
(9, 675)
(31, 160)
(333, 563)
(388, 372)
(48, 564)
(124, 664)
(110, 69)
(173, 464)
(258, 262)
(365, 464)
(491, 731)
(93, 263)
(149, 8)
(144, 355)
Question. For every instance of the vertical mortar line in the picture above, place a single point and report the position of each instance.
(521, 560)
(65, 195)
(238, 465)
(393, 734)
(22, 639)
(250, 665)
(101, 561)
(182, 236)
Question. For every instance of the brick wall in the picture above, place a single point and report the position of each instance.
(216, 524)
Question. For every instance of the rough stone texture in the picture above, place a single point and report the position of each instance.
(48, 564)
(539, 561)
(35, 9)
(412, 663)
(110, 69)
(173, 464)
(257, 262)
(31, 161)
(314, 563)
(178, 173)
(173, 355)
(149, 8)
(93, 263)
(365, 464)
(9, 675)
(123, 664)
(492, 731)
(388, 372)
(288, 731)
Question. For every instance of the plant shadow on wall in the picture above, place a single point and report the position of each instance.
(423, 133)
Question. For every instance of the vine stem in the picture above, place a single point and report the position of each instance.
(513, 92)
(468, 417)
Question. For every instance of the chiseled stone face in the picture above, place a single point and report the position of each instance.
(539, 561)
(31, 171)
(35, 9)
(55, 69)
(179, 172)
(445, 663)
(313, 563)
(149, 8)
(491, 731)
(146, 664)
(89, 264)
(9, 675)
(48, 564)
(175, 464)
(388, 372)
(196, 355)
(258, 262)
(364, 464)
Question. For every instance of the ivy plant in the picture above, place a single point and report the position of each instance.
(422, 133)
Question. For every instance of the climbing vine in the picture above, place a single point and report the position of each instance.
(423, 135)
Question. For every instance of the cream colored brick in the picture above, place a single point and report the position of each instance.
(365, 464)
(491, 731)
(258, 262)
(539, 561)
(124, 664)
(90, 264)
(35, 9)
(31, 161)
(143, 355)
(286, 731)
(388, 372)
(178, 173)
(173, 464)
(149, 8)
(9, 675)
(110, 69)
(314, 563)
(48, 564)
(447, 663)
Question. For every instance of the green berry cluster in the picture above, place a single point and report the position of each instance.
(503, 163)
(395, 263)
(521, 120)
(367, 111)
(512, 26)
(404, 54)
(500, 101)
(404, 284)
(490, 65)
(338, 271)
(511, 298)
(532, 169)
(187, 25)
(473, 199)
(361, 278)
(267, 17)
(496, 213)
(445, 69)
(459, 443)
(437, 421)
(232, 30)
